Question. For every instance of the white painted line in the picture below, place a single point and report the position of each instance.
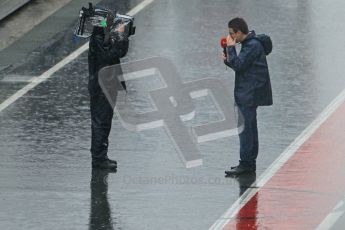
(16, 79)
(37, 80)
(139, 7)
(333, 217)
(279, 162)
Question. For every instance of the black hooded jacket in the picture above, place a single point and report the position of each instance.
(252, 80)
(101, 55)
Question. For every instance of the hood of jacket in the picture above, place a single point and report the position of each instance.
(264, 39)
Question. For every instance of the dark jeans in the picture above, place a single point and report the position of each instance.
(101, 118)
(249, 141)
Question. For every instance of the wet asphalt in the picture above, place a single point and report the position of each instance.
(46, 180)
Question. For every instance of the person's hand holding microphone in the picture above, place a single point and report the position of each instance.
(226, 42)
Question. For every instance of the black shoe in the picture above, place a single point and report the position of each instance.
(106, 165)
(238, 170)
(113, 161)
(233, 167)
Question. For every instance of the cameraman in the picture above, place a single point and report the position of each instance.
(104, 50)
(252, 87)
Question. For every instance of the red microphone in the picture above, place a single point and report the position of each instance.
(223, 44)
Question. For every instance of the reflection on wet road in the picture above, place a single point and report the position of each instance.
(100, 213)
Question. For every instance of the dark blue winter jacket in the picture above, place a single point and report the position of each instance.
(252, 80)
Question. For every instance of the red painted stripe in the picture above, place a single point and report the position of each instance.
(308, 186)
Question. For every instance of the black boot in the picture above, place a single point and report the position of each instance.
(234, 167)
(106, 165)
(237, 170)
(113, 161)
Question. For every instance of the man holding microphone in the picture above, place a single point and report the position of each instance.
(252, 87)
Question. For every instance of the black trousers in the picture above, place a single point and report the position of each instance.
(249, 140)
(101, 119)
